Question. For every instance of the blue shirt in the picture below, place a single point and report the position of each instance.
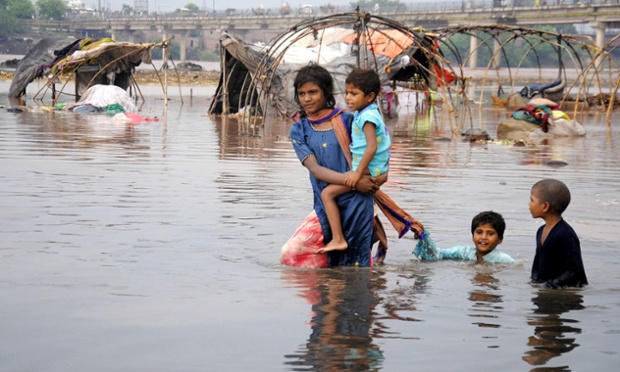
(379, 163)
(426, 250)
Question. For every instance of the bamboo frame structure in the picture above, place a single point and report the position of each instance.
(65, 72)
(577, 62)
(265, 81)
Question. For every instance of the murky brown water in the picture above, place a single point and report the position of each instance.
(155, 247)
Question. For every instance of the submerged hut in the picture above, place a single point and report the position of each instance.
(88, 61)
(523, 67)
(258, 79)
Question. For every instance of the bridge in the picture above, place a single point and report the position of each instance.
(252, 27)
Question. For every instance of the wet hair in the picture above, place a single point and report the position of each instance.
(313, 73)
(492, 218)
(365, 79)
(554, 192)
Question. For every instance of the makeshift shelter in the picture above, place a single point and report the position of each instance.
(90, 61)
(257, 78)
(514, 52)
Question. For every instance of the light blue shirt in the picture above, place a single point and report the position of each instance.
(426, 250)
(379, 163)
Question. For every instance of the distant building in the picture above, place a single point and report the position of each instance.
(306, 9)
(141, 6)
(77, 8)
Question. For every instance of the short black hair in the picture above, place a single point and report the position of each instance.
(313, 73)
(554, 192)
(365, 79)
(492, 218)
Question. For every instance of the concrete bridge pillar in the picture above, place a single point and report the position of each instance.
(113, 35)
(473, 51)
(497, 55)
(600, 28)
(183, 46)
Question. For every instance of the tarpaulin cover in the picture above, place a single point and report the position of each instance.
(389, 43)
(36, 62)
(105, 95)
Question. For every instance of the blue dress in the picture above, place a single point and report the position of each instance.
(356, 209)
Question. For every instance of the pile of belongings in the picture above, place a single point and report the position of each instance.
(111, 100)
(98, 97)
(551, 121)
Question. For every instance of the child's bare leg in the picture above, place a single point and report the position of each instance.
(329, 194)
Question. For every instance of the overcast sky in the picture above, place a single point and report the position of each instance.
(171, 5)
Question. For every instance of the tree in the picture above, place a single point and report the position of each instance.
(22, 9)
(528, 51)
(174, 49)
(193, 8)
(126, 9)
(8, 25)
(51, 9)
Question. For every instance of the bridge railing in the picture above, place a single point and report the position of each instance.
(429, 7)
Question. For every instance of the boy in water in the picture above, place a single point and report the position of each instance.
(487, 232)
(557, 262)
(369, 147)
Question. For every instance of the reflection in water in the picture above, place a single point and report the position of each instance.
(71, 131)
(550, 328)
(400, 303)
(485, 301)
(553, 153)
(95, 212)
(240, 138)
(342, 320)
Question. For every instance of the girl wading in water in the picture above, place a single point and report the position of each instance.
(318, 146)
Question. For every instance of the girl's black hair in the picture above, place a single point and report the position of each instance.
(313, 73)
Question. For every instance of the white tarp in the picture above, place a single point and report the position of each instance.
(105, 95)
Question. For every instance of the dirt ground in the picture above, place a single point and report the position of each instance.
(145, 77)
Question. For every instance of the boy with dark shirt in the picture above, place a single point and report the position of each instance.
(557, 262)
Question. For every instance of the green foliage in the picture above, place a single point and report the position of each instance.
(9, 25)
(204, 55)
(454, 47)
(526, 52)
(22, 9)
(192, 7)
(568, 29)
(51, 9)
(10, 12)
(175, 49)
(126, 9)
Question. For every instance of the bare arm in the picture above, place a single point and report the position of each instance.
(322, 173)
(365, 185)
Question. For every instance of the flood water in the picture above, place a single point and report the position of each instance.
(155, 247)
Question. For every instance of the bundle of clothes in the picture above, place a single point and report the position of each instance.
(550, 119)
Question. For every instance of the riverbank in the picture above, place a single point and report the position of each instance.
(151, 77)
